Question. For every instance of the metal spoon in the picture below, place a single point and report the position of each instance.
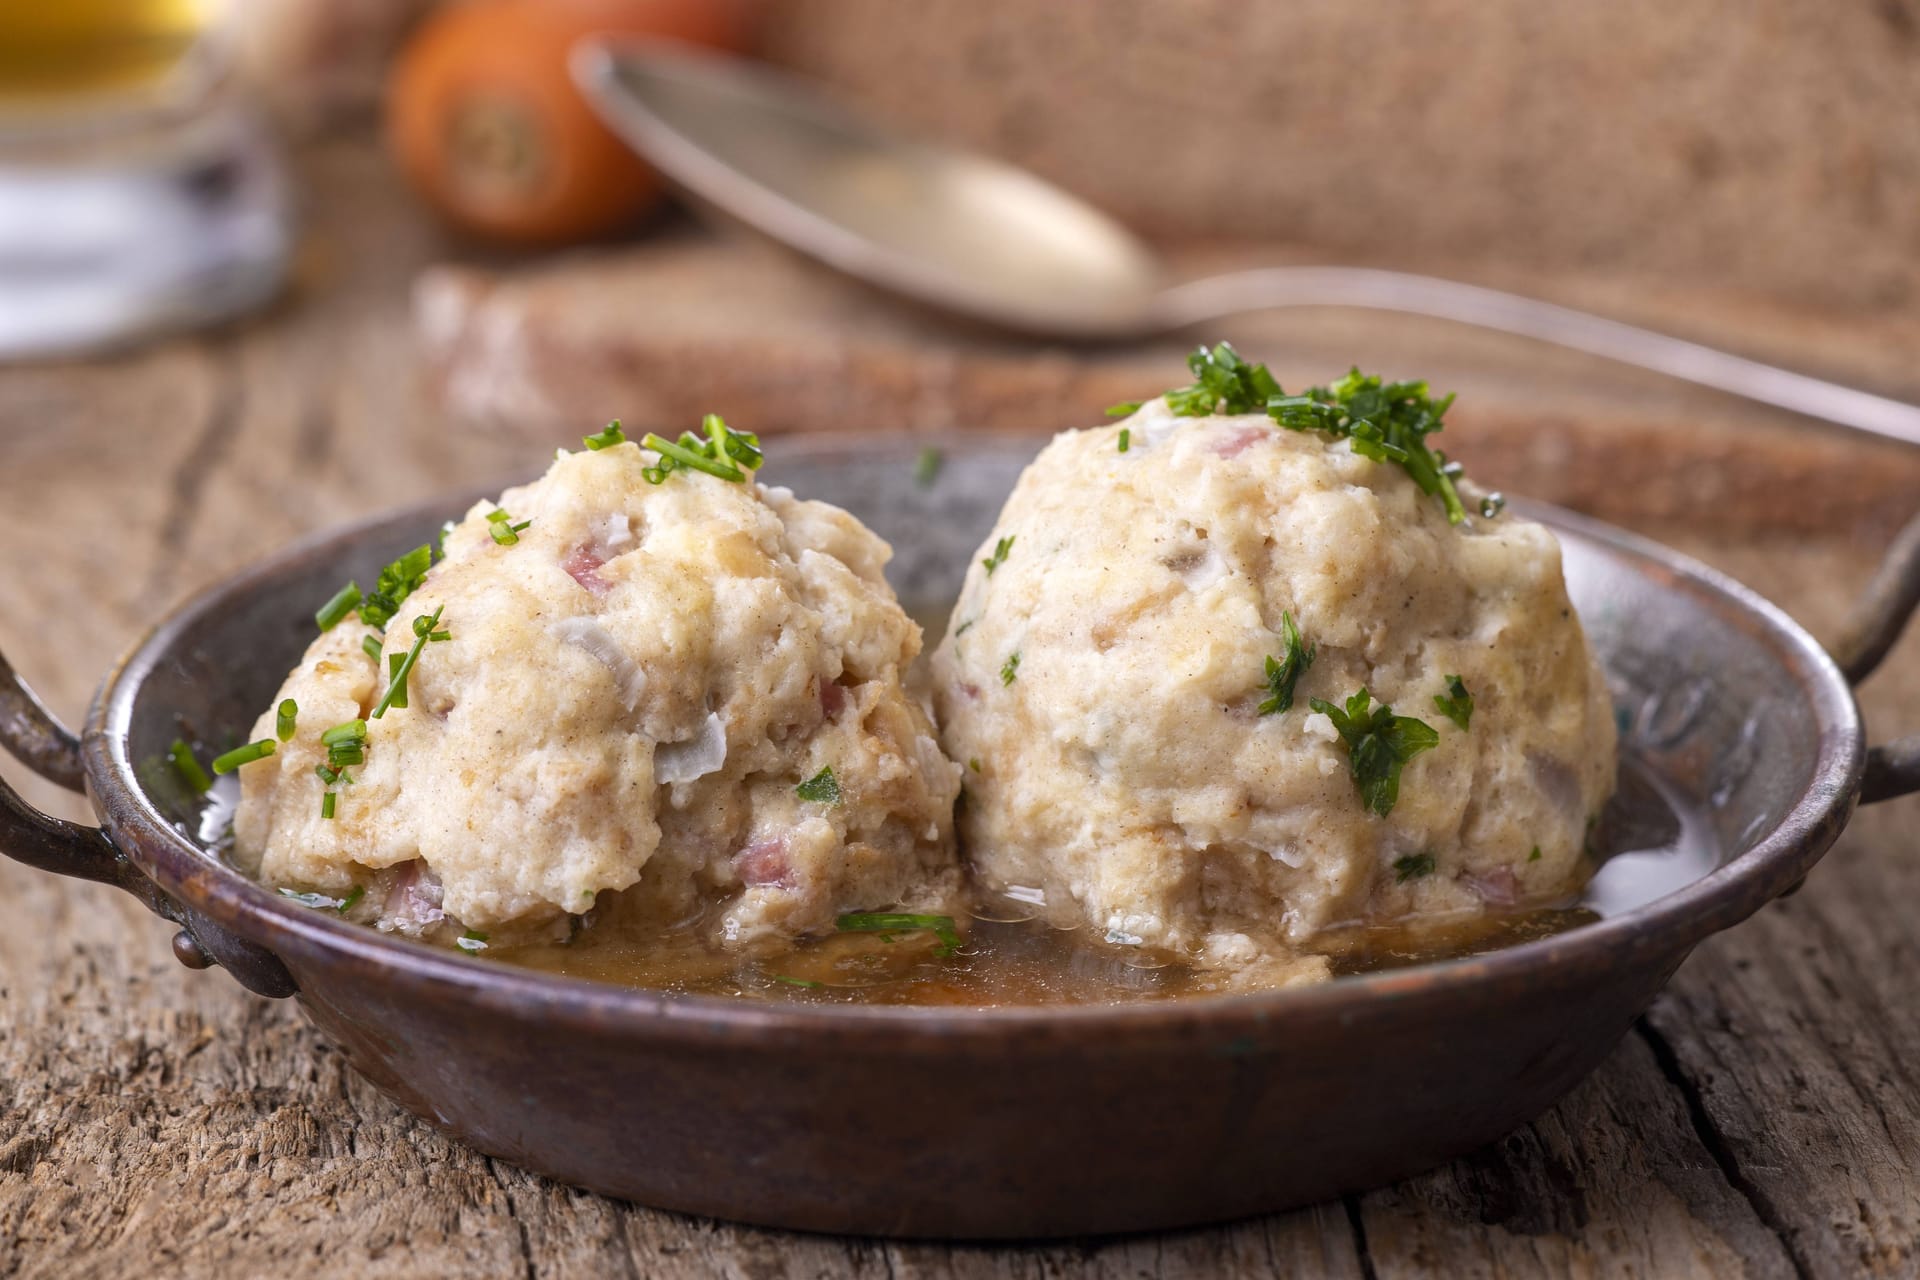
(982, 239)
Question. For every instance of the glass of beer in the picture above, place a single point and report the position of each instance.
(138, 192)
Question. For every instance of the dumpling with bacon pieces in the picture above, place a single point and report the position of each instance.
(1247, 667)
(643, 681)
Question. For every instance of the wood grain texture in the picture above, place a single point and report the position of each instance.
(1764, 1120)
(660, 333)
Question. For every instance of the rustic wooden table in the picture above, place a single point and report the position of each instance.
(1763, 1119)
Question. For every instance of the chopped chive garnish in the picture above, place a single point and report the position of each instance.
(397, 688)
(326, 805)
(1492, 505)
(1284, 673)
(354, 895)
(504, 530)
(351, 731)
(1535, 855)
(1378, 743)
(1457, 704)
(891, 921)
(964, 627)
(371, 646)
(243, 755)
(1126, 438)
(691, 457)
(926, 467)
(284, 720)
(797, 982)
(1224, 383)
(742, 447)
(1125, 409)
(181, 756)
(397, 581)
(1010, 668)
(471, 941)
(344, 601)
(1412, 867)
(605, 439)
(1383, 421)
(821, 788)
(999, 556)
(399, 691)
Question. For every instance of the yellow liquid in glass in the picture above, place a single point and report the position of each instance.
(55, 50)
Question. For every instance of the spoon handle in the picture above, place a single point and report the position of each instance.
(1267, 287)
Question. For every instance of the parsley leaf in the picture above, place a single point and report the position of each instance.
(1412, 867)
(1535, 855)
(999, 556)
(1379, 744)
(1285, 672)
(1457, 704)
(821, 788)
(1009, 669)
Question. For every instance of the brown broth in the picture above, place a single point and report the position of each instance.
(1645, 846)
(1003, 963)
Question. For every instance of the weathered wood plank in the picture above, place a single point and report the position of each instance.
(662, 332)
(1612, 1182)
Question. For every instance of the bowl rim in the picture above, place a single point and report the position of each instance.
(1672, 924)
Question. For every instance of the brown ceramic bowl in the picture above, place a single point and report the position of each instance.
(993, 1122)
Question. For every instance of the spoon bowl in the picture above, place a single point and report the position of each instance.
(959, 232)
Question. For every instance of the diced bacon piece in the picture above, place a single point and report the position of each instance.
(413, 901)
(763, 862)
(833, 698)
(583, 566)
(1231, 444)
(1497, 888)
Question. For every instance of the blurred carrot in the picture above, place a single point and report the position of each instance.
(489, 129)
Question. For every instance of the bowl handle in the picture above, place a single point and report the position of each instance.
(44, 745)
(1878, 617)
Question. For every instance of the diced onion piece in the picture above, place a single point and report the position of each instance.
(611, 533)
(589, 636)
(698, 756)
